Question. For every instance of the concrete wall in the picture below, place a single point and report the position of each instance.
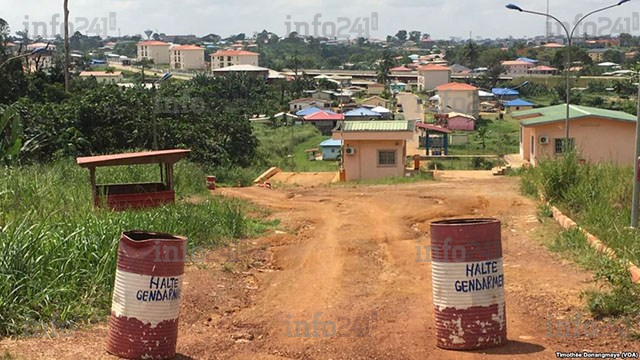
(465, 102)
(429, 80)
(189, 59)
(598, 140)
(330, 152)
(461, 123)
(158, 53)
(364, 164)
(219, 62)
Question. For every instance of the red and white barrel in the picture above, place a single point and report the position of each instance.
(468, 284)
(146, 296)
(211, 182)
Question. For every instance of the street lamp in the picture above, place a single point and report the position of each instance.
(34, 52)
(569, 44)
(164, 77)
(636, 179)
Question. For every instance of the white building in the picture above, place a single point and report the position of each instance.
(226, 58)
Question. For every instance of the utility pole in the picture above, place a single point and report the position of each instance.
(66, 46)
(636, 178)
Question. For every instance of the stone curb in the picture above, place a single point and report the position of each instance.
(566, 223)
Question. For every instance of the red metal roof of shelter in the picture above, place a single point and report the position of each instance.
(433, 128)
(147, 157)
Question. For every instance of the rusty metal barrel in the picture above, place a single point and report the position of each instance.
(211, 182)
(146, 295)
(468, 284)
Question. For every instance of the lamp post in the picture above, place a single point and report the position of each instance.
(569, 44)
(164, 77)
(636, 179)
(34, 52)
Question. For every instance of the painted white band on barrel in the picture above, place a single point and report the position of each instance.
(463, 285)
(150, 299)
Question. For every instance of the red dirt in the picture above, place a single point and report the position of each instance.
(350, 252)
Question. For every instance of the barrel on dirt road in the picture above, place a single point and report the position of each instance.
(468, 284)
(146, 295)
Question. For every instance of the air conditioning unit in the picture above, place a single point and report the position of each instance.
(350, 151)
(543, 140)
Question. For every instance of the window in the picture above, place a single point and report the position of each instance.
(387, 158)
(559, 145)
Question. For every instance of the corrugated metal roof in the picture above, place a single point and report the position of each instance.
(558, 113)
(331, 142)
(375, 125)
(359, 112)
(505, 91)
(518, 102)
(147, 157)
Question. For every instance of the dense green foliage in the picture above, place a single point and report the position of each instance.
(208, 115)
(57, 254)
(598, 197)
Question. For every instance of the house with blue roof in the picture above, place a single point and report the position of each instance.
(505, 93)
(517, 105)
(331, 149)
(312, 110)
(362, 113)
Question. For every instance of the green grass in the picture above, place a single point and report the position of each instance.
(301, 158)
(598, 198)
(58, 253)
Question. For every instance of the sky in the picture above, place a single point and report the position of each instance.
(443, 19)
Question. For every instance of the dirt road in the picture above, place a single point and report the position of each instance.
(348, 253)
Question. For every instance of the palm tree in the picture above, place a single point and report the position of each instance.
(384, 68)
(471, 55)
(483, 132)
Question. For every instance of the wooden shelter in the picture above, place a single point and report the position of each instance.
(125, 196)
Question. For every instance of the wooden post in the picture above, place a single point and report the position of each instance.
(170, 176)
(94, 190)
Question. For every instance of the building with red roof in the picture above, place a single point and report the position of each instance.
(325, 121)
(226, 58)
(400, 69)
(431, 76)
(460, 98)
(543, 70)
(157, 51)
(517, 67)
(187, 57)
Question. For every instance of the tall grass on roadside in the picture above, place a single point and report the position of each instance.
(598, 197)
(58, 253)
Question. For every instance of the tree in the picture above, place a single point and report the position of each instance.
(10, 134)
(384, 67)
(483, 133)
(626, 40)
(415, 36)
(613, 56)
(470, 55)
(402, 35)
